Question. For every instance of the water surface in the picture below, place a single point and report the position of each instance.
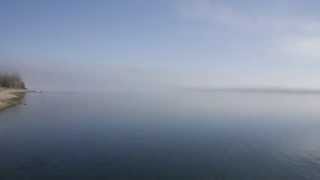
(168, 135)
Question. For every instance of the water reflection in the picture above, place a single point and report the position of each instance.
(167, 135)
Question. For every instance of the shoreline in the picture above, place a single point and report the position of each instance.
(11, 97)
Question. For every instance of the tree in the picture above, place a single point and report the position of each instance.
(11, 81)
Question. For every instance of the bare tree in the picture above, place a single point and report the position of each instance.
(11, 80)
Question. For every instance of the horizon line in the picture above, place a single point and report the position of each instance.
(278, 90)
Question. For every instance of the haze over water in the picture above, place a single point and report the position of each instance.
(128, 89)
(179, 134)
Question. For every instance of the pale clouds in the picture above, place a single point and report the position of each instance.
(301, 48)
(213, 12)
(292, 36)
(246, 18)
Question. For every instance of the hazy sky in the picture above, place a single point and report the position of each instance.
(112, 44)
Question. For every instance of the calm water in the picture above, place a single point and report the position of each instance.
(169, 135)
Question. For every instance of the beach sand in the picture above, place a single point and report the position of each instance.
(10, 97)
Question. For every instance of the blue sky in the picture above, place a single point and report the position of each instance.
(143, 43)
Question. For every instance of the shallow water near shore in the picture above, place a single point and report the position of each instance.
(164, 135)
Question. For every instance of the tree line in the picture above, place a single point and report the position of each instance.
(8, 80)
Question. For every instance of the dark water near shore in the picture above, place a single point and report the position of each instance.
(168, 135)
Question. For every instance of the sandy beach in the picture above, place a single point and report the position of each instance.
(10, 97)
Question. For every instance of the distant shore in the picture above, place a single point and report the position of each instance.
(10, 97)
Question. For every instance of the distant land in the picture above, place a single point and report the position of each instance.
(274, 90)
(12, 90)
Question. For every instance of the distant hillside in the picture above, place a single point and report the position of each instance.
(11, 81)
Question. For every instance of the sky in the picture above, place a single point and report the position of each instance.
(143, 44)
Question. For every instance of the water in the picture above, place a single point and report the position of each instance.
(167, 135)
